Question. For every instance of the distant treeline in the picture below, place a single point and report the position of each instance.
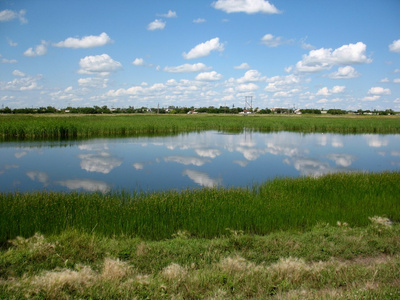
(186, 110)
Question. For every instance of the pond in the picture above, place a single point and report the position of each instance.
(190, 160)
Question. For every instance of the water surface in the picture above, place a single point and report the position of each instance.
(191, 160)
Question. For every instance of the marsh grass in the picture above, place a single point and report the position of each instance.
(234, 266)
(83, 126)
(280, 204)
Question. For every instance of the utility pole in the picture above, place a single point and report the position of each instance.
(247, 102)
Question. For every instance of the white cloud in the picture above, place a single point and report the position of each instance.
(199, 20)
(305, 45)
(90, 41)
(169, 14)
(242, 66)
(12, 43)
(138, 62)
(8, 61)
(156, 24)
(38, 51)
(280, 83)
(246, 6)
(372, 98)
(93, 82)
(396, 80)
(338, 89)
(204, 49)
(384, 80)
(377, 90)
(99, 64)
(335, 90)
(9, 15)
(271, 41)
(346, 72)
(187, 68)
(18, 73)
(324, 91)
(209, 76)
(323, 59)
(251, 76)
(22, 84)
(247, 87)
(395, 46)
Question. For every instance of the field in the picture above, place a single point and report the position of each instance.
(326, 262)
(331, 237)
(84, 126)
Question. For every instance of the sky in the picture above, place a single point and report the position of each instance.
(279, 53)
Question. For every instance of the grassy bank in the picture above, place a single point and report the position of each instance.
(84, 126)
(326, 262)
(281, 204)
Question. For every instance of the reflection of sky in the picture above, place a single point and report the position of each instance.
(190, 160)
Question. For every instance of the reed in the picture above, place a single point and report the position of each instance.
(84, 126)
(280, 204)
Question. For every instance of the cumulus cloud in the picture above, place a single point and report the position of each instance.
(99, 64)
(246, 6)
(9, 15)
(138, 62)
(395, 46)
(93, 82)
(242, 66)
(157, 24)
(323, 59)
(251, 76)
(18, 73)
(204, 49)
(377, 90)
(249, 87)
(22, 84)
(346, 72)
(187, 68)
(335, 90)
(272, 41)
(89, 41)
(38, 51)
(281, 83)
(169, 14)
(209, 76)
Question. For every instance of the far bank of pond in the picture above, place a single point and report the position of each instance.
(84, 126)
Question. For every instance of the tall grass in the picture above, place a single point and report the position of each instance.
(83, 126)
(281, 204)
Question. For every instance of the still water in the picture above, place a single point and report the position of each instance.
(190, 160)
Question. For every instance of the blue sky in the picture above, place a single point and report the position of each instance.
(284, 53)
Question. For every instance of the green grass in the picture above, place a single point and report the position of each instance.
(281, 204)
(84, 126)
(326, 262)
